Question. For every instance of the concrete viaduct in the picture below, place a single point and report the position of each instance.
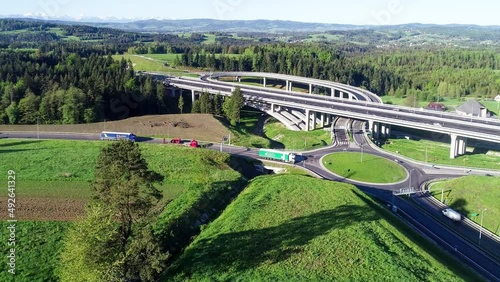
(304, 111)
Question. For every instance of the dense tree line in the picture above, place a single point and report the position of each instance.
(61, 86)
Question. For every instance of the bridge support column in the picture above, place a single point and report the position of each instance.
(193, 95)
(462, 145)
(310, 89)
(351, 97)
(308, 120)
(265, 82)
(287, 85)
(291, 87)
(388, 129)
(313, 120)
(376, 130)
(332, 92)
(382, 130)
(322, 120)
(453, 146)
(370, 126)
(272, 108)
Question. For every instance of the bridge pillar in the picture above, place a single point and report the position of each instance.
(322, 120)
(370, 126)
(272, 108)
(333, 92)
(287, 84)
(376, 130)
(388, 129)
(265, 82)
(308, 120)
(453, 146)
(382, 130)
(351, 97)
(462, 145)
(313, 120)
(310, 89)
(193, 95)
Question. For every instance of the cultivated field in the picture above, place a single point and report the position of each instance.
(54, 176)
(53, 184)
(296, 228)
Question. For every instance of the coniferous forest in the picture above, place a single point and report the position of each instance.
(46, 78)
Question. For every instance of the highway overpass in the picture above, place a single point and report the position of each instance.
(355, 103)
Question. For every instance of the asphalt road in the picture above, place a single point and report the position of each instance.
(486, 265)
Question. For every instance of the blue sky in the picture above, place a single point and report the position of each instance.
(482, 12)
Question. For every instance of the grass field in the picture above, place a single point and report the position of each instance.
(296, 228)
(439, 153)
(142, 63)
(54, 177)
(472, 194)
(38, 245)
(323, 37)
(276, 135)
(349, 165)
(297, 140)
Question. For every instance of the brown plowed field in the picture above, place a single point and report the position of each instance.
(45, 209)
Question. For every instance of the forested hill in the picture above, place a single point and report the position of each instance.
(287, 31)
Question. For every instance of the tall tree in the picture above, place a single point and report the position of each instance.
(238, 102)
(124, 195)
(181, 103)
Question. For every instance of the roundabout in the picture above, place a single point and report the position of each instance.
(366, 168)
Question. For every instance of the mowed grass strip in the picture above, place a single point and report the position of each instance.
(372, 169)
(472, 194)
(439, 153)
(296, 228)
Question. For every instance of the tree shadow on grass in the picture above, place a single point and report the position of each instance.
(460, 206)
(239, 251)
(17, 143)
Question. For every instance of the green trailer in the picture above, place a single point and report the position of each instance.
(277, 155)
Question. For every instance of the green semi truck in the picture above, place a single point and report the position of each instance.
(277, 155)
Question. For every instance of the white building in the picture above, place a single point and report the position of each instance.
(473, 108)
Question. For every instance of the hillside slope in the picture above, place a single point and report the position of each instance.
(295, 228)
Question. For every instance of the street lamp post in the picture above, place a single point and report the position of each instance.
(425, 153)
(409, 184)
(361, 152)
(481, 227)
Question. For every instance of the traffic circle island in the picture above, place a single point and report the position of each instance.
(366, 168)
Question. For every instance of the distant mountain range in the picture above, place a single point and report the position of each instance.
(212, 25)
